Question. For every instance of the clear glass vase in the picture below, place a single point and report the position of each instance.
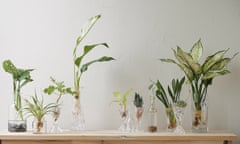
(179, 115)
(139, 114)
(78, 122)
(171, 120)
(39, 126)
(152, 115)
(124, 119)
(200, 118)
(16, 123)
(55, 126)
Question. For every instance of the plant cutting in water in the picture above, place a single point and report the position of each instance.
(80, 68)
(138, 102)
(121, 99)
(38, 110)
(174, 94)
(200, 76)
(21, 77)
(59, 89)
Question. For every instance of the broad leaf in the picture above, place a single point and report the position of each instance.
(102, 59)
(9, 67)
(196, 51)
(84, 31)
(87, 49)
(212, 74)
(211, 60)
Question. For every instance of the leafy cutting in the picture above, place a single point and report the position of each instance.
(20, 77)
(200, 75)
(80, 68)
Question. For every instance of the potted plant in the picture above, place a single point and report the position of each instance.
(21, 77)
(200, 76)
(174, 96)
(59, 89)
(138, 102)
(121, 99)
(80, 68)
(38, 110)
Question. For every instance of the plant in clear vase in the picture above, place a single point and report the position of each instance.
(79, 69)
(139, 109)
(121, 99)
(38, 110)
(59, 89)
(174, 94)
(21, 77)
(179, 108)
(152, 115)
(200, 76)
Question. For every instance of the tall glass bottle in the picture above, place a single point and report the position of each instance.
(152, 115)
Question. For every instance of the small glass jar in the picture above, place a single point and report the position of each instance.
(39, 126)
(16, 123)
(152, 115)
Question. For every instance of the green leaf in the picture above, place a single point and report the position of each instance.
(211, 60)
(87, 49)
(196, 51)
(84, 31)
(102, 59)
(49, 90)
(212, 74)
(9, 67)
(188, 60)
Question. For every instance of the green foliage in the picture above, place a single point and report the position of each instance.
(37, 108)
(21, 77)
(80, 68)
(138, 100)
(121, 99)
(174, 91)
(58, 88)
(199, 75)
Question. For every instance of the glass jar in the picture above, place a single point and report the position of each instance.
(152, 115)
(39, 126)
(16, 123)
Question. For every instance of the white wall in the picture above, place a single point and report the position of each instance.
(41, 34)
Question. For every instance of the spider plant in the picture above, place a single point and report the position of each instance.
(20, 77)
(38, 110)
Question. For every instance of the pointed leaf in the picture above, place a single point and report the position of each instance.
(211, 60)
(212, 74)
(196, 51)
(84, 31)
(102, 59)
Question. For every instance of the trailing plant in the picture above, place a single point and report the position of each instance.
(121, 99)
(57, 88)
(138, 100)
(80, 68)
(200, 75)
(20, 77)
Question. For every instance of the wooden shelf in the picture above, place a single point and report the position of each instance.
(116, 137)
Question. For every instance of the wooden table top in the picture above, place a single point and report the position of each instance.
(118, 135)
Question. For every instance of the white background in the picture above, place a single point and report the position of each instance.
(41, 34)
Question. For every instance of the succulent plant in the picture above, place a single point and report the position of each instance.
(138, 100)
